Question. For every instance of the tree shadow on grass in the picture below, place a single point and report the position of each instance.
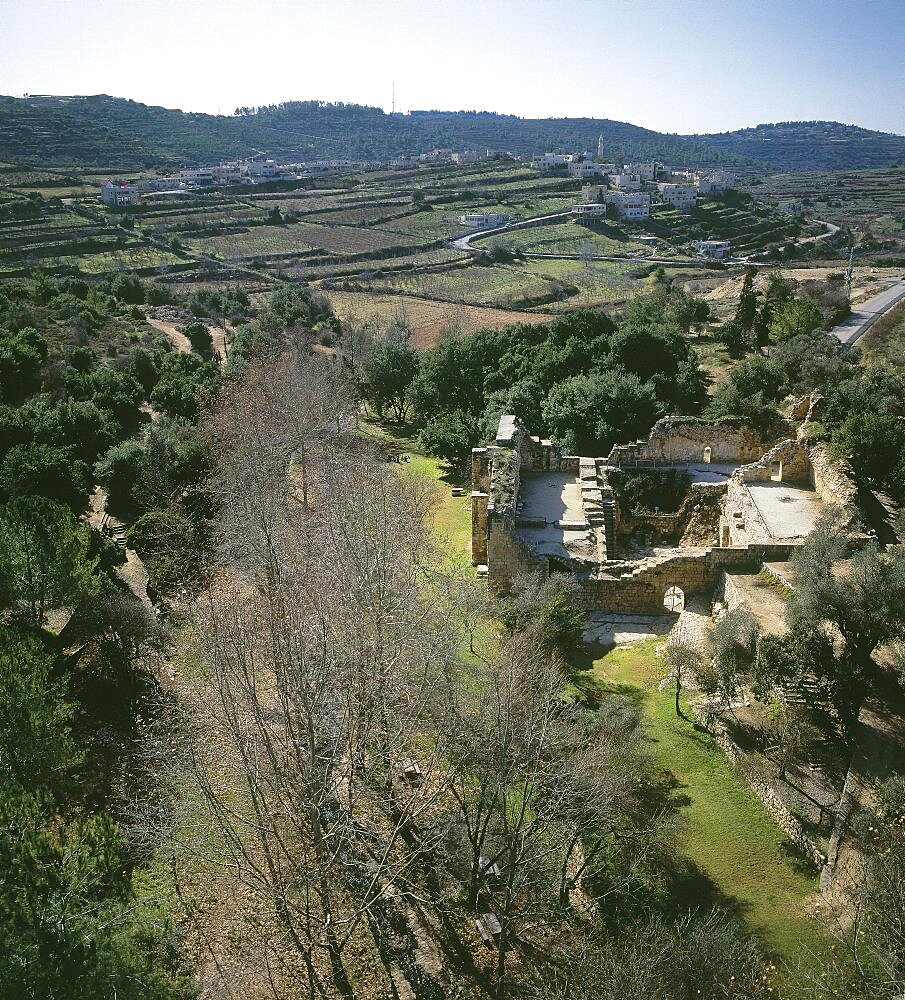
(796, 859)
(689, 887)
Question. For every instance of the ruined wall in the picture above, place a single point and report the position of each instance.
(507, 558)
(641, 591)
(834, 481)
(696, 520)
(741, 518)
(675, 439)
(479, 528)
(480, 469)
(789, 458)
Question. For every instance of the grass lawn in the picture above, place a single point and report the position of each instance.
(729, 837)
(451, 515)
(885, 340)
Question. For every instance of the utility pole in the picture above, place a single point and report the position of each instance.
(848, 273)
(394, 98)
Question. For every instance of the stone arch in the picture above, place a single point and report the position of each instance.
(776, 471)
(674, 599)
(708, 451)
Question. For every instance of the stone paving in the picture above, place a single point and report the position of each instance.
(623, 630)
(788, 511)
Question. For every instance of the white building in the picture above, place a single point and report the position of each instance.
(117, 195)
(587, 168)
(716, 249)
(589, 211)
(630, 206)
(226, 173)
(435, 155)
(680, 196)
(483, 220)
(197, 176)
(262, 169)
(593, 192)
(550, 161)
(646, 171)
(626, 182)
(715, 182)
(152, 184)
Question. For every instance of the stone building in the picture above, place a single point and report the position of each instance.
(746, 500)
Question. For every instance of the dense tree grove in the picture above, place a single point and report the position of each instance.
(861, 412)
(581, 378)
(80, 376)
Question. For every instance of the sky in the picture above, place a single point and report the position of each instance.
(681, 66)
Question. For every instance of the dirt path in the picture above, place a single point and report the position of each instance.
(179, 340)
(182, 344)
(133, 572)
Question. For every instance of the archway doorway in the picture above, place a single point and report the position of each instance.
(674, 599)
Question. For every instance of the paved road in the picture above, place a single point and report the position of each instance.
(465, 243)
(869, 312)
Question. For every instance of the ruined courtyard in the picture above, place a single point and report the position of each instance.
(730, 498)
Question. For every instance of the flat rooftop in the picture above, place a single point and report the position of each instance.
(789, 512)
(703, 472)
(551, 516)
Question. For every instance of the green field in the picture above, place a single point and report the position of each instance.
(571, 238)
(885, 340)
(501, 286)
(728, 837)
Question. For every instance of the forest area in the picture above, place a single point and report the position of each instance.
(316, 759)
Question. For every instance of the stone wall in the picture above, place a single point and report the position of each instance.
(479, 503)
(788, 461)
(741, 518)
(642, 588)
(698, 508)
(508, 558)
(761, 788)
(675, 439)
(834, 481)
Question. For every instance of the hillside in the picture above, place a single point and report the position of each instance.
(112, 132)
(794, 146)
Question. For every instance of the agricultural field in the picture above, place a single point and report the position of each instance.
(571, 238)
(597, 283)
(428, 320)
(300, 238)
(871, 203)
(500, 286)
(367, 270)
(750, 229)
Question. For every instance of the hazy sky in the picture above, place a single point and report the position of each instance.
(671, 65)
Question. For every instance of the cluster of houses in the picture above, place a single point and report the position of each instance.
(237, 172)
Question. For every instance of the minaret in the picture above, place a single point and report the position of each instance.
(600, 147)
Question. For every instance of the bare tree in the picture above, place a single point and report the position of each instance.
(320, 664)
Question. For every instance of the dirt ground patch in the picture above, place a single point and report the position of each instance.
(427, 319)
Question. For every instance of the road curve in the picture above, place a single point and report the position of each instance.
(465, 243)
(864, 317)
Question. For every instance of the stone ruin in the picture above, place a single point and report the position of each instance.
(748, 501)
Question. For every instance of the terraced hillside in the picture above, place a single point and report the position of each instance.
(869, 202)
